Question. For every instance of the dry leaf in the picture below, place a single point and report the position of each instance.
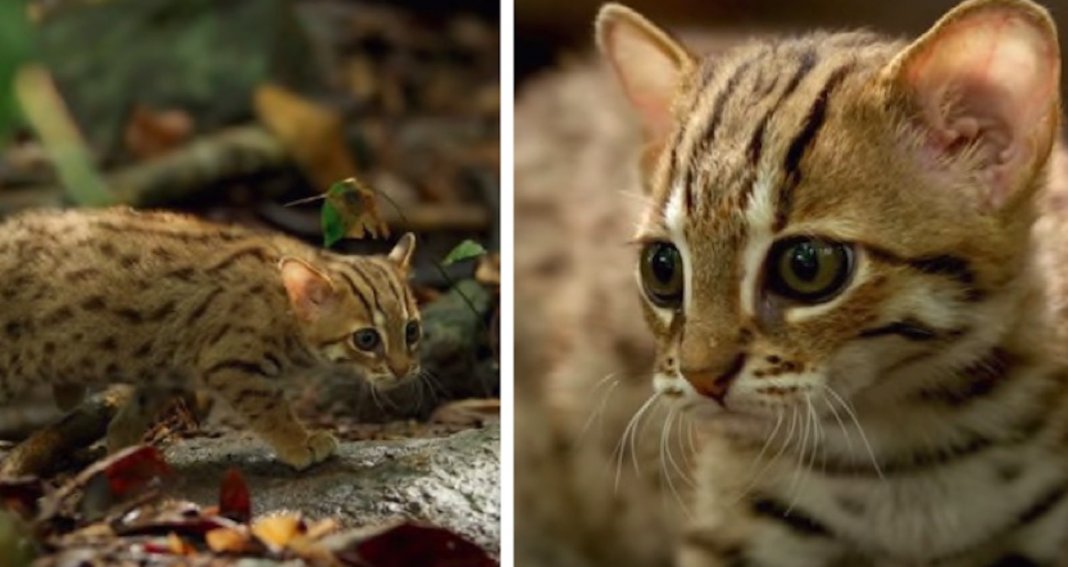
(277, 531)
(351, 211)
(488, 271)
(151, 133)
(313, 134)
(227, 540)
(322, 528)
(179, 546)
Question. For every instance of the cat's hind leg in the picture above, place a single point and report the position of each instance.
(134, 418)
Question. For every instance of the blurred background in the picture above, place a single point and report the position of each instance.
(232, 110)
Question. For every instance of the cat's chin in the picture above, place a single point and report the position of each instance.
(734, 421)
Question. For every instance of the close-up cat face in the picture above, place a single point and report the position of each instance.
(823, 221)
(360, 313)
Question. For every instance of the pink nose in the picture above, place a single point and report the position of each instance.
(714, 382)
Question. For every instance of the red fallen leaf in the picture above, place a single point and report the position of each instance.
(234, 500)
(134, 468)
(415, 544)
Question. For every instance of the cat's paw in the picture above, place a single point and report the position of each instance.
(315, 449)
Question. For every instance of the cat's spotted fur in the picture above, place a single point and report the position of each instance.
(167, 303)
(918, 415)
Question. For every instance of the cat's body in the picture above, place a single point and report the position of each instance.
(169, 303)
(916, 171)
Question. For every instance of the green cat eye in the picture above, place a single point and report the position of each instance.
(661, 273)
(809, 269)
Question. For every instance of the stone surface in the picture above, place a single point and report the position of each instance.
(449, 481)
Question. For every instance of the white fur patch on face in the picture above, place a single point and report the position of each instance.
(671, 385)
(379, 319)
(675, 221)
(759, 217)
(336, 352)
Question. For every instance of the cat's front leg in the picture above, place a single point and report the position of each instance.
(254, 395)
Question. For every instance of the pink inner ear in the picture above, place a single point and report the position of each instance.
(308, 290)
(649, 73)
(988, 81)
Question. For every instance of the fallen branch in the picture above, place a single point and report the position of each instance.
(229, 153)
(40, 452)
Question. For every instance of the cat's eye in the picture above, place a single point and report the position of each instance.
(366, 339)
(412, 332)
(661, 273)
(809, 269)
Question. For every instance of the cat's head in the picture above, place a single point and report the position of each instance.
(359, 311)
(836, 212)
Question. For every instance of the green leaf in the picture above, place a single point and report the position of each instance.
(334, 228)
(47, 113)
(16, 42)
(464, 251)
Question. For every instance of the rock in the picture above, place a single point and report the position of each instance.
(450, 481)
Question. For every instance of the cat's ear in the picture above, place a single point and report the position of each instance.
(401, 255)
(984, 82)
(311, 293)
(649, 63)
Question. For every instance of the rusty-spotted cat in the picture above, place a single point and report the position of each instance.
(837, 264)
(167, 302)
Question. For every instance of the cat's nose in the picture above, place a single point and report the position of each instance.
(400, 368)
(715, 381)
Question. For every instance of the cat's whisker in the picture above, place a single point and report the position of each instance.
(754, 479)
(665, 452)
(433, 382)
(691, 438)
(674, 417)
(841, 425)
(860, 430)
(635, 433)
(623, 438)
(799, 470)
(598, 384)
(767, 443)
(598, 410)
(807, 465)
(685, 433)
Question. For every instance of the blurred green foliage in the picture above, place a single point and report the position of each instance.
(205, 57)
(16, 45)
(465, 250)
